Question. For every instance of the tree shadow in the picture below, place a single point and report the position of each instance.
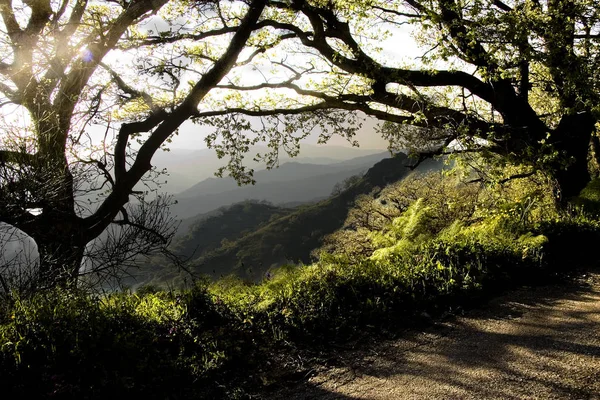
(530, 343)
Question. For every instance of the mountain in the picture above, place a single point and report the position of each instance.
(291, 238)
(187, 167)
(291, 182)
(213, 230)
(275, 236)
(286, 172)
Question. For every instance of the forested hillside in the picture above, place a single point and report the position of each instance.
(291, 238)
(250, 238)
(291, 182)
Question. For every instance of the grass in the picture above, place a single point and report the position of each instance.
(213, 340)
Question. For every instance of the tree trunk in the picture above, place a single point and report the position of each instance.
(61, 242)
(572, 138)
(60, 261)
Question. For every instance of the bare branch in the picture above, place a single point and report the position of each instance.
(140, 227)
(397, 13)
(129, 90)
(12, 26)
(126, 131)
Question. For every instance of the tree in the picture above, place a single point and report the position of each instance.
(522, 82)
(53, 68)
(448, 198)
(346, 183)
(519, 78)
(66, 68)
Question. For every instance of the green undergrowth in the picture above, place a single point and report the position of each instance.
(335, 299)
(215, 338)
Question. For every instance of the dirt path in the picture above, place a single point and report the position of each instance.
(541, 343)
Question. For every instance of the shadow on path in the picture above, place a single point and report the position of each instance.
(533, 343)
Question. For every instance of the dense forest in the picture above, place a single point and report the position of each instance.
(111, 287)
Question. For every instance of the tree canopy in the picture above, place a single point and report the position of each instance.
(518, 79)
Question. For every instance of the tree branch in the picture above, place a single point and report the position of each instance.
(12, 26)
(64, 54)
(125, 181)
(17, 157)
(141, 227)
(40, 16)
(125, 132)
(437, 116)
(587, 36)
(130, 90)
(502, 5)
(397, 13)
(367, 67)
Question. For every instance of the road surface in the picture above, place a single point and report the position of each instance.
(532, 343)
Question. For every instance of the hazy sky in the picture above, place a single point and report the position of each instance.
(192, 137)
(399, 49)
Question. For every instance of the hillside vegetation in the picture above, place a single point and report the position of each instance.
(251, 238)
(292, 237)
(427, 244)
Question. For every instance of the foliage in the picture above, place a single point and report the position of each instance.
(231, 223)
(517, 80)
(489, 69)
(446, 200)
(159, 345)
(589, 198)
(417, 263)
(426, 258)
(291, 237)
(345, 184)
(72, 69)
(202, 342)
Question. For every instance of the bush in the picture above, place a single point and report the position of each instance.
(70, 345)
(336, 298)
(444, 200)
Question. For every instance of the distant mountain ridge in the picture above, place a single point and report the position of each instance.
(291, 182)
(187, 167)
(291, 170)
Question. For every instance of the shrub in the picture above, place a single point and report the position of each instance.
(336, 298)
(70, 345)
(444, 199)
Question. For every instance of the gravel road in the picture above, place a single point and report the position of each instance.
(532, 343)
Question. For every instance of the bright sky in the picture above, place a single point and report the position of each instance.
(399, 48)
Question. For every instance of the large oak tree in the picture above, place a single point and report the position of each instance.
(57, 73)
(518, 79)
